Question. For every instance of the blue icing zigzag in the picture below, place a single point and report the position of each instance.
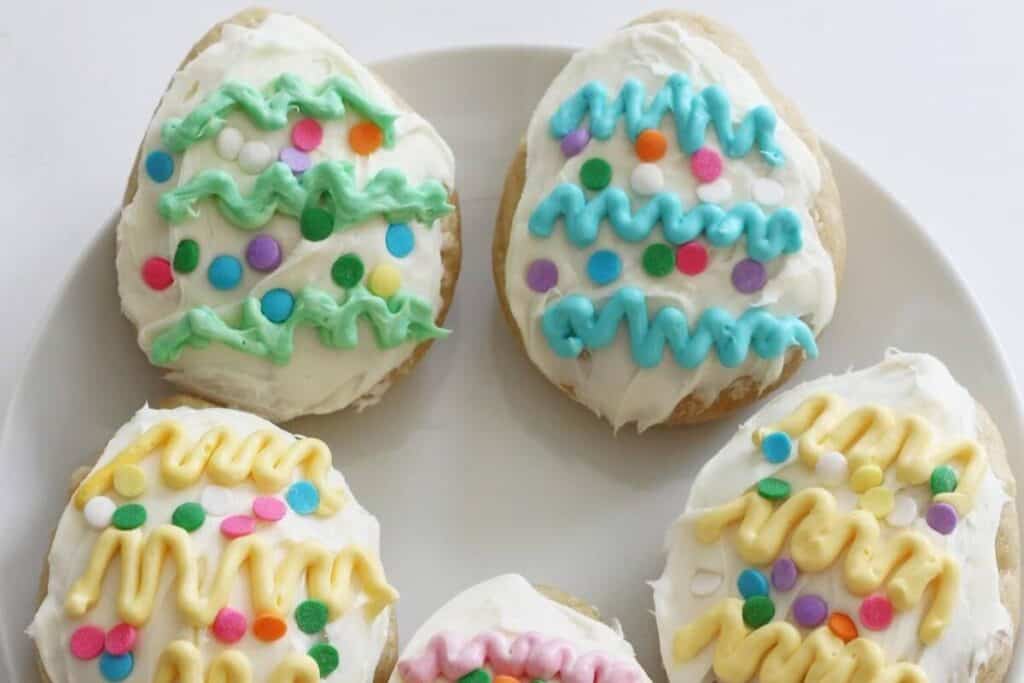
(573, 324)
(693, 114)
(767, 236)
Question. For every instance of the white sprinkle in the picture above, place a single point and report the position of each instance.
(831, 468)
(705, 582)
(229, 143)
(767, 192)
(218, 501)
(716, 192)
(99, 511)
(904, 511)
(647, 179)
(254, 156)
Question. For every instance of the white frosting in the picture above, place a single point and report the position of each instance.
(907, 383)
(318, 379)
(802, 284)
(359, 641)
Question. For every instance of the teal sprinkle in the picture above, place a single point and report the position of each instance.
(269, 110)
(399, 319)
(693, 113)
(573, 324)
(277, 190)
(767, 236)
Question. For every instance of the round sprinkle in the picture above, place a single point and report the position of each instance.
(121, 639)
(876, 612)
(217, 500)
(878, 500)
(311, 616)
(399, 240)
(295, 159)
(772, 488)
(224, 272)
(604, 267)
(99, 511)
(229, 143)
(866, 477)
(347, 271)
(268, 509)
(156, 273)
(263, 253)
(116, 667)
(706, 165)
(513, 679)
(303, 497)
(269, 627)
(904, 511)
(842, 626)
(237, 526)
(692, 258)
(385, 280)
(751, 582)
(595, 173)
(943, 480)
(767, 192)
(810, 610)
(749, 276)
(716, 192)
(476, 676)
(646, 179)
(130, 516)
(831, 468)
(942, 518)
(316, 224)
(365, 138)
(784, 574)
(277, 305)
(658, 260)
(307, 134)
(87, 642)
(188, 516)
(186, 256)
(159, 166)
(255, 156)
(651, 145)
(705, 582)
(542, 275)
(129, 481)
(776, 447)
(229, 625)
(758, 611)
(574, 142)
(326, 657)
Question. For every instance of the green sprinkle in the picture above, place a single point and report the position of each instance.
(658, 260)
(326, 658)
(476, 676)
(311, 616)
(943, 480)
(758, 611)
(347, 271)
(317, 224)
(189, 516)
(130, 516)
(595, 173)
(773, 489)
(186, 256)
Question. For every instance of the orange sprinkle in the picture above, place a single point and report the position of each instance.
(842, 626)
(365, 138)
(505, 679)
(651, 145)
(269, 627)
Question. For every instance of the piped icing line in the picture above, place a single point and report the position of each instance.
(531, 655)
(906, 563)
(575, 323)
(876, 435)
(331, 184)
(329, 576)
(396, 320)
(264, 456)
(692, 112)
(181, 662)
(767, 237)
(777, 653)
(269, 110)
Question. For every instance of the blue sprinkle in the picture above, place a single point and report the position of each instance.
(776, 447)
(277, 305)
(225, 272)
(752, 582)
(303, 497)
(604, 267)
(399, 240)
(116, 667)
(159, 166)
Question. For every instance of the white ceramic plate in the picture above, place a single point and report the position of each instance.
(474, 464)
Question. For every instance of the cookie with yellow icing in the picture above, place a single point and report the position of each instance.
(860, 527)
(669, 242)
(209, 545)
(289, 242)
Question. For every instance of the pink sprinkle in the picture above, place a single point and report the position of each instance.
(706, 165)
(307, 134)
(87, 642)
(121, 639)
(237, 526)
(229, 625)
(876, 612)
(268, 508)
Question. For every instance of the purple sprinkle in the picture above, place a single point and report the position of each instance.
(542, 275)
(574, 142)
(784, 574)
(263, 253)
(749, 276)
(296, 159)
(810, 610)
(942, 517)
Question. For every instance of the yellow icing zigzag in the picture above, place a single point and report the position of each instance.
(180, 662)
(775, 653)
(266, 457)
(874, 435)
(905, 563)
(331, 577)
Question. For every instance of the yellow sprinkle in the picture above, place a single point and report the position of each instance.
(879, 501)
(130, 481)
(384, 280)
(866, 477)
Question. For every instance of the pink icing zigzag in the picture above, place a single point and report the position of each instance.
(531, 655)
